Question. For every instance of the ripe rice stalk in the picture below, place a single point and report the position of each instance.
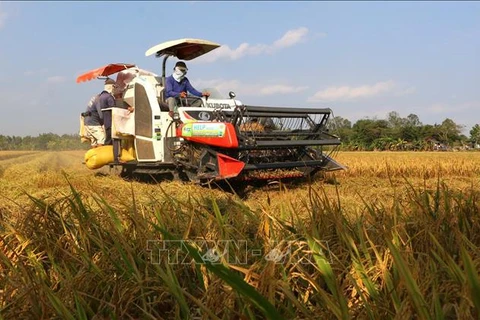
(436, 300)
(339, 304)
(171, 280)
(66, 241)
(384, 265)
(446, 261)
(410, 283)
(473, 280)
(61, 310)
(210, 313)
(291, 299)
(252, 126)
(232, 279)
(80, 309)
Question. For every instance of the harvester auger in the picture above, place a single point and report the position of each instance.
(223, 139)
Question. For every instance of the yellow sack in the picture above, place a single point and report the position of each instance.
(98, 157)
(127, 155)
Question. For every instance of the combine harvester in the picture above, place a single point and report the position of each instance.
(221, 140)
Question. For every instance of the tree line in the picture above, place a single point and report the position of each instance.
(392, 133)
(397, 133)
(44, 141)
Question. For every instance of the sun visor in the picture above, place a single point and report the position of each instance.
(183, 49)
(104, 71)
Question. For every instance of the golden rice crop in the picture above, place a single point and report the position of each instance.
(385, 239)
(411, 164)
(5, 155)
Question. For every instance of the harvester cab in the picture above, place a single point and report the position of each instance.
(221, 139)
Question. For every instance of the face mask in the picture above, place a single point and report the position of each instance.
(178, 74)
(109, 88)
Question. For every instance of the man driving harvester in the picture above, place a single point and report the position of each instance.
(177, 85)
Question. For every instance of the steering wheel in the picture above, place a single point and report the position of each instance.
(189, 101)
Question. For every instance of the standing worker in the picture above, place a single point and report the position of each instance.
(93, 123)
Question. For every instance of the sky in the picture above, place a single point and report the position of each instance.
(361, 59)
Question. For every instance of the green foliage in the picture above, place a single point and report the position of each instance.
(366, 131)
(397, 133)
(340, 127)
(475, 134)
(44, 142)
(450, 131)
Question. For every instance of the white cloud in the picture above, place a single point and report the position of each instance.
(290, 38)
(56, 79)
(344, 93)
(3, 17)
(243, 89)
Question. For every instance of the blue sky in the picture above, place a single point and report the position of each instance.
(361, 59)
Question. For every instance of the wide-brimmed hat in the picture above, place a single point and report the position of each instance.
(109, 81)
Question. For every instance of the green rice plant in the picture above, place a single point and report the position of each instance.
(231, 278)
(410, 283)
(473, 280)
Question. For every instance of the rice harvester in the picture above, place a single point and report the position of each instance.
(222, 139)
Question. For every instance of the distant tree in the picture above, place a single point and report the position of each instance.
(340, 127)
(475, 134)
(366, 131)
(3, 143)
(45, 141)
(384, 143)
(28, 143)
(450, 131)
(14, 142)
(429, 131)
(411, 129)
(395, 120)
(413, 120)
(338, 122)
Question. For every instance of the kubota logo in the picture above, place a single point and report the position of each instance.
(219, 105)
(204, 116)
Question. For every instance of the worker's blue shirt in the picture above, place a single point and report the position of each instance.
(174, 88)
(97, 117)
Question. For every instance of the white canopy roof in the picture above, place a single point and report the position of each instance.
(184, 49)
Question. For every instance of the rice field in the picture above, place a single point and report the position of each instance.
(397, 235)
